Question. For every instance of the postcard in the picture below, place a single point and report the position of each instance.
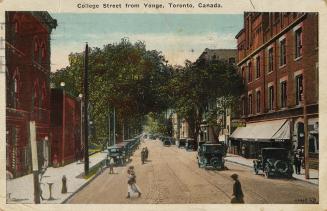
(159, 105)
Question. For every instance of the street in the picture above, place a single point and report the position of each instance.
(171, 175)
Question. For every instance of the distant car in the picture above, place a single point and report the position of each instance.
(211, 155)
(190, 144)
(181, 142)
(117, 153)
(167, 142)
(274, 162)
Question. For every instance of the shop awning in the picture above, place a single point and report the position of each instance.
(276, 129)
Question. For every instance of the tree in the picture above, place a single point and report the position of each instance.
(199, 84)
(123, 75)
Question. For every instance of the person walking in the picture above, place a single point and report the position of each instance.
(297, 163)
(132, 187)
(142, 155)
(146, 153)
(237, 191)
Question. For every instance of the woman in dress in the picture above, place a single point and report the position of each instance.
(132, 187)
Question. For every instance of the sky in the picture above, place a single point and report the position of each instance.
(177, 36)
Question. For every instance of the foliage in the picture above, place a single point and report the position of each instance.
(158, 124)
(123, 75)
(200, 84)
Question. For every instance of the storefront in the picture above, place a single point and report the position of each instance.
(249, 140)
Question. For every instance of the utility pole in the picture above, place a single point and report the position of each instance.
(35, 166)
(114, 125)
(86, 123)
(306, 134)
(109, 137)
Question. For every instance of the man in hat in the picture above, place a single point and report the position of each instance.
(237, 190)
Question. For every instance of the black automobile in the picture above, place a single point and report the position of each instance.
(190, 144)
(181, 142)
(117, 153)
(274, 162)
(166, 142)
(211, 155)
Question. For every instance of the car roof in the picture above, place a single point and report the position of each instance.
(273, 148)
(212, 144)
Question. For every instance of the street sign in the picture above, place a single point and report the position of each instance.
(33, 146)
(238, 123)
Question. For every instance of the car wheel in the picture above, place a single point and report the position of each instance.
(215, 163)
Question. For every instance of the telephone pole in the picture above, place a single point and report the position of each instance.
(86, 123)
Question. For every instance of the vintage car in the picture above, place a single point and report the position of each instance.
(167, 142)
(211, 155)
(181, 142)
(274, 162)
(117, 153)
(190, 144)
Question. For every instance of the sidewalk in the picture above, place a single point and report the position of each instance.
(314, 174)
(21, 189)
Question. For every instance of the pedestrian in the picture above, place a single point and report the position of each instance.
(146, 153)
(111, 166)
(143, 155)
(297, 163)
(237, 191)
(132, 187)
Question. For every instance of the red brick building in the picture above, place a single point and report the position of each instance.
(27, 86)
(65, 127)
(278, 59)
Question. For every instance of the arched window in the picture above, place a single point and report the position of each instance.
(35, 95)
(43, 51)
(44, 95)
(35, 49)
(16, 26)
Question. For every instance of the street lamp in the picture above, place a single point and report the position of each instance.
(62, 84)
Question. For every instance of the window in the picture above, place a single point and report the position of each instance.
(243, 106)
(15, 89)
(243, 75)
(43, 53)
(16, 26)
(283, 94)
(258, 101)
(270, 60)
(298, 43)
(250, 72)
(35, 50)
(271, 98)
(299, 88)
(250, 104)
(282, 52)
(258, 67)
(44, 95)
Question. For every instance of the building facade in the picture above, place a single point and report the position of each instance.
(27, 54)
(278, 61)
(66, 142)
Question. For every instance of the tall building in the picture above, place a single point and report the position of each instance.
(27, 51)
(278, 61)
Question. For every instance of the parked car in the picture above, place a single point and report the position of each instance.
(181, 142)
(166, 142)
(117, 153)
(274, 161)
(190, 144)
(211, 155)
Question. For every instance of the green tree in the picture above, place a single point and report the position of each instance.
(123, 75)
(197, 85)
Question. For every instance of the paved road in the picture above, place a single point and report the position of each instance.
(172, 176)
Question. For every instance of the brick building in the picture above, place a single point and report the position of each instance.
(66, 130)
(278, 60)
(27, 51)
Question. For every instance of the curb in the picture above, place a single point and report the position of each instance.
(308, 181)
(81, 187)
